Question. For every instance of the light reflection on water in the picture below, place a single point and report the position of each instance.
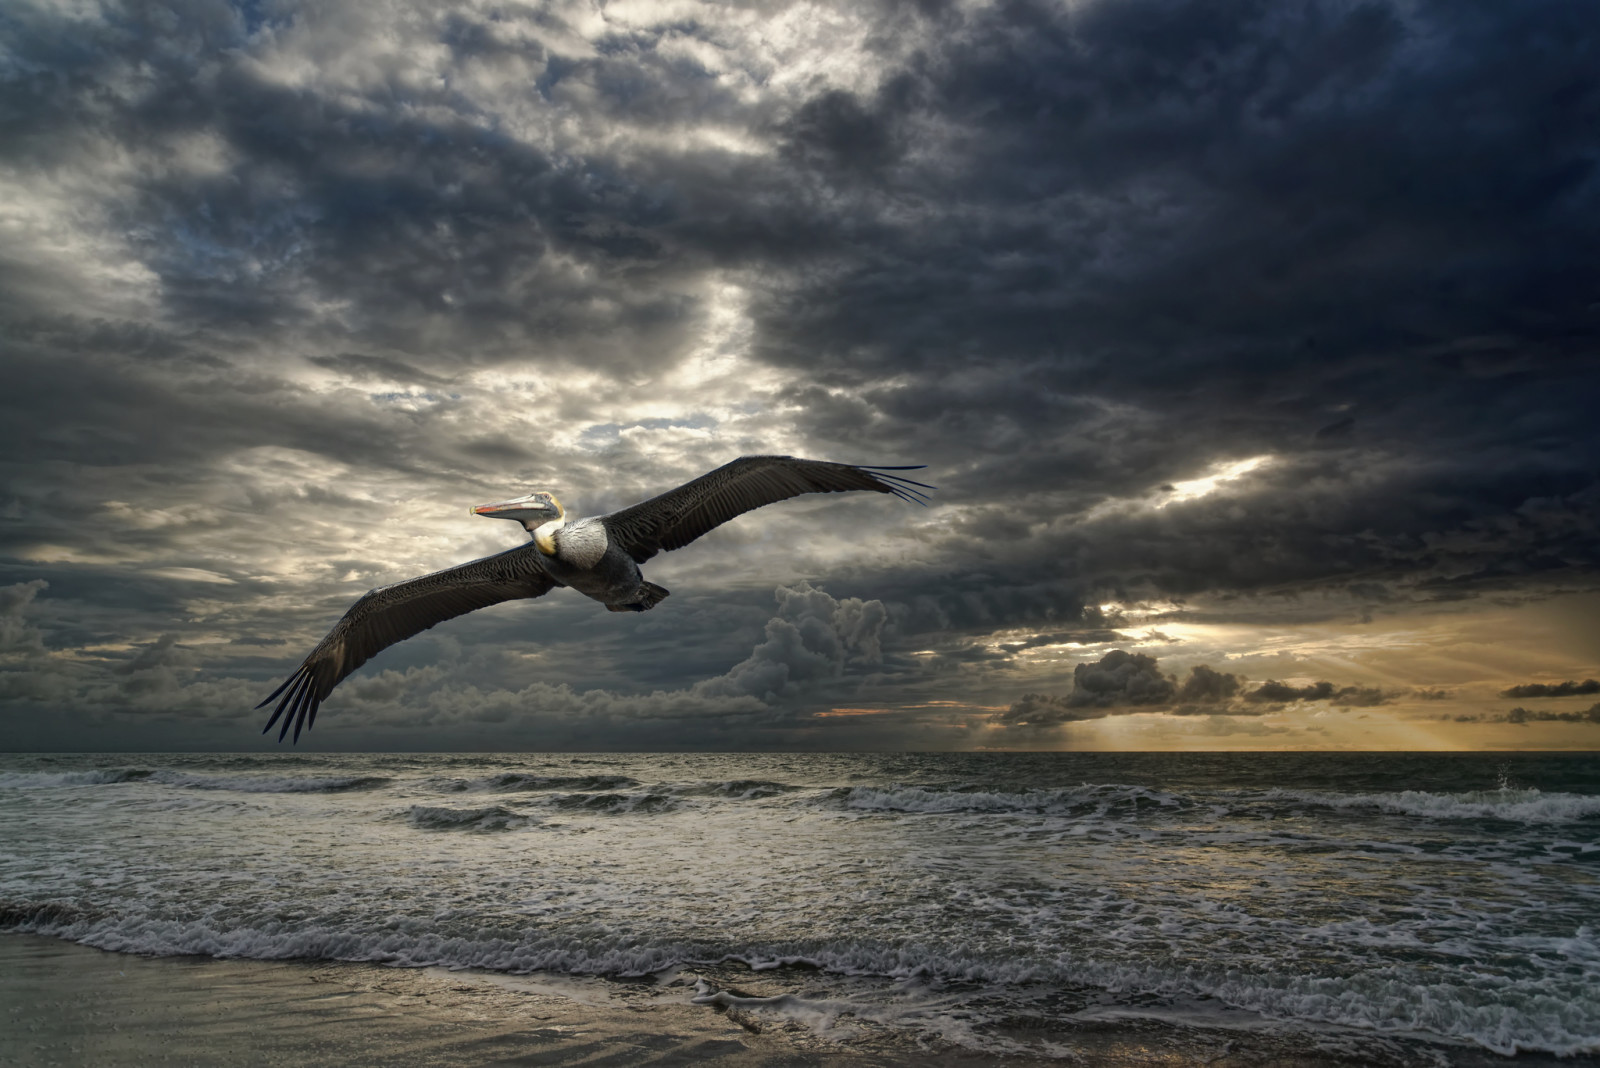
(1380, 892)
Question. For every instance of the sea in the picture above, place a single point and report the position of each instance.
(992, 902)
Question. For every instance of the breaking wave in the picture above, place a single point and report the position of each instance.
(737, 789)
(339, 784)
(514, 782)
(1078, 800)
(252, 784)
(492, 818)
(1507, 1017)
(1513, 806)
(615, 804)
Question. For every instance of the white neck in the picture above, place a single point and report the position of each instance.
(544, 535)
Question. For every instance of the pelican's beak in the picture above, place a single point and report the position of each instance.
(535, 507)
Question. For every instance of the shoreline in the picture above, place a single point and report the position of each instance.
(69, 1004)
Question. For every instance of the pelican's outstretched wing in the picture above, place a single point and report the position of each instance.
(677, 517)
(392, 614)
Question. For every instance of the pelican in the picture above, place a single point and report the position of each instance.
(598, 556)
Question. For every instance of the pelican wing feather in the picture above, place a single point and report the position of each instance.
(677, 517)
(394, 613)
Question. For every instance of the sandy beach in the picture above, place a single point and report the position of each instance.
(65, 1004)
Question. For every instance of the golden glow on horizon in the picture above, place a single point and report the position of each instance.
(952, 705)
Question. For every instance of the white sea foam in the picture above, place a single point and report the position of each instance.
(1514, 806)
(1069, 800)
(1507, 1019)
(857, 881)
(25, 780)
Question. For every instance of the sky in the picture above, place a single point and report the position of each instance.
(1252, 347)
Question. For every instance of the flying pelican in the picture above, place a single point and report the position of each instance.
(598, 556)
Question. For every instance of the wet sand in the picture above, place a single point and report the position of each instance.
(65, 1004)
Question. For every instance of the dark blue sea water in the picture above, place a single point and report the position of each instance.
(1443, 898)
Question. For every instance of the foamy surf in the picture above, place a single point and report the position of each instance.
(947, 896)
(1511, 805)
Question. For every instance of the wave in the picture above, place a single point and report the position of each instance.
(607, 803)
(512, 782)
(492, 818)
(278, 784)
(1076, 800)
(44, 779)
(736, 789)
(615, 804)
(253, 784)
(1550, 1015)
(1513, 806)
(1525, 806)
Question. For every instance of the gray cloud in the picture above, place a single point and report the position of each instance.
(16, 636)
(1275, 691)
(1123, 683)
(1553, 689)
(1119, 679)
(1525, 715)
(280, 295)
(1206, 685)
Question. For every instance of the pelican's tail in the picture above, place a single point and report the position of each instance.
(645, 598)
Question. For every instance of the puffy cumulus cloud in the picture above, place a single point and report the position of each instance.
(1525, 715)
(1553, 689)
(1119, 679)
(1206, 685)
(1275, 691)
(813, 643)
(159, 679)
(1124, 683)
(813, 638)
(1118, 683)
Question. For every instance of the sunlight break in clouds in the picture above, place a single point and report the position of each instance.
(1220, 475)
(285, 289)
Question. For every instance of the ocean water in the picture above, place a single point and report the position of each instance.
(994, 901)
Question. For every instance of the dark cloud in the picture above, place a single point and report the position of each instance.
(1119, 679)
(281, 295)
(16, 635)
(1553, 689)
(1272, 690)
(1040, 710)
(1122, 683)
(1206, 685)
(1525, 715)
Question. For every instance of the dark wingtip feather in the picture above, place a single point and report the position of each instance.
(905, 488)
(906, 496)
(281, 687)
(900, 485)
(290, 700)
(277, 712)
(307, 693)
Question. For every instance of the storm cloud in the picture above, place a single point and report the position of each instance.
(1269, 314)
(1123, 683)
(1553, 689)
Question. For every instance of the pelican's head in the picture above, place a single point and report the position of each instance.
(531, 511)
